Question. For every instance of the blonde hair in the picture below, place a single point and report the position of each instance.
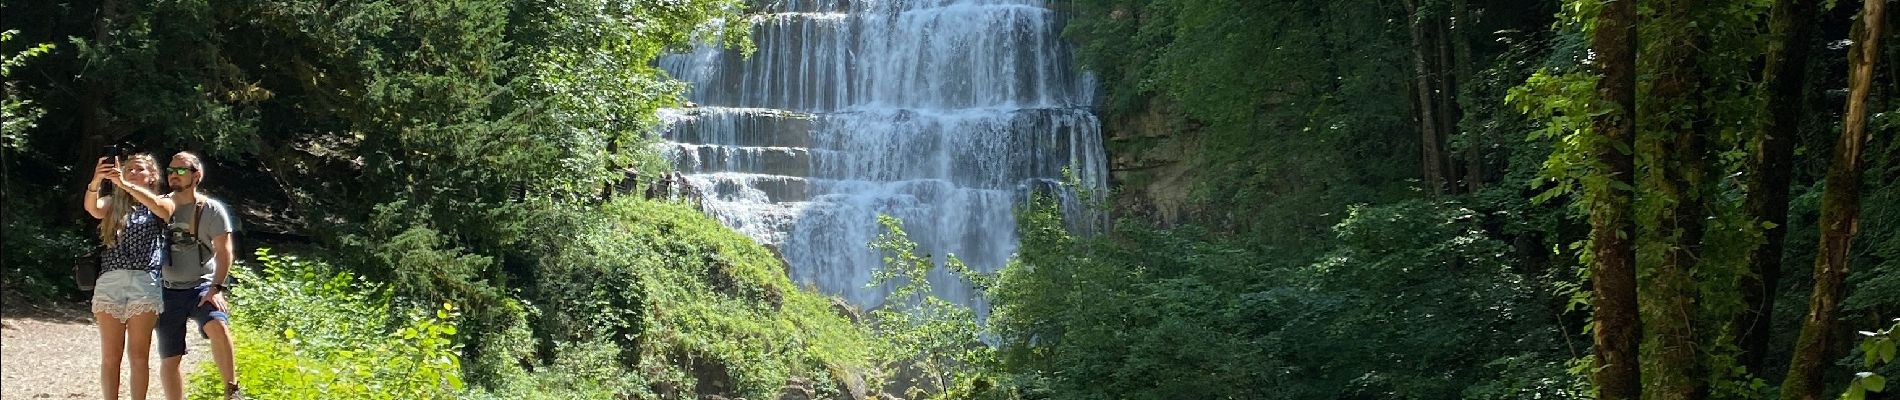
(120, 204)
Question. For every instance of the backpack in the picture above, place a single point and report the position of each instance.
(197, 217)
(86, 269)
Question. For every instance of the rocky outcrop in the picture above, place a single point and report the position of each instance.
(1150, 155)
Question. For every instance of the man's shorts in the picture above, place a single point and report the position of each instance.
(180, 305)
(126, 292)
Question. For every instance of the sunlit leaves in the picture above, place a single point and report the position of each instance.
(296, 349)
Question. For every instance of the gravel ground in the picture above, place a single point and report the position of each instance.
(51, 351)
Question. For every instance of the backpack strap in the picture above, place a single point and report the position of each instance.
(198, 216)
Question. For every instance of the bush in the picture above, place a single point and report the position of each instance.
(40, 251)
(937, 343)
(693, 307)
(306, 331)
(634, 299)
(1412, 301)
(583, 370)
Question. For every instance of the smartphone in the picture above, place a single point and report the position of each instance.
(112, 154)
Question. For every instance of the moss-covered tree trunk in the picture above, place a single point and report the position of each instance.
(1840, 213)
(1771, 156)
(1675, 152)
(1617, 372)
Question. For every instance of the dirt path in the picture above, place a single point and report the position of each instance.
(51, 351)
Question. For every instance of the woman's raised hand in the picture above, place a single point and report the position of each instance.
(104, 170)
(114, 172)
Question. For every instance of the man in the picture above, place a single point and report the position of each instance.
(201, 255)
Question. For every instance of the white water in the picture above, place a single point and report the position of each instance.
(944, 113)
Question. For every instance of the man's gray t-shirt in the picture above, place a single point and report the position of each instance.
(193, 260)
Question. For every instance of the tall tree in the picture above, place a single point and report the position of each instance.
(1431, 159)
(1840, 212)
(1770, 157)
(1675, 159)
(1461, 25)
(1447, 93)
(95, 124)
(1618, 373)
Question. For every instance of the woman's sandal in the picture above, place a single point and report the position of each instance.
(233, 392)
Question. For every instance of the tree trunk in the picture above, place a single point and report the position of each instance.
(1617, 372)
(1677, 326)
(1431, 162)
(93, 125)
(1449, 113)
(1840, 213)
(1770, 167)
(95, 128)
(1461, 25)
(1677, 178)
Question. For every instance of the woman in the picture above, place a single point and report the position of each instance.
(126, 300)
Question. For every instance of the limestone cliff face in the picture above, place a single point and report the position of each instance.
(1151, 164)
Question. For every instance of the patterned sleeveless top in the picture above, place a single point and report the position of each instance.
(141, 244)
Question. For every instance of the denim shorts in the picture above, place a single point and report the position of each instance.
(182, 305)
(123, 293)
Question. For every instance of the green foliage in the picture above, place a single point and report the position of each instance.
(17, 115)
(39, 253)
(939, 340)
(160, 76)
(1877, 348)
(1875, 280)
(589, 370)
(691, 306)
(452, 152)
(655, 299)
(1414, 302)
(1408, 264)
(1259, 142)
(1690, 232)
(428, 271)
(454, 107)
(31, 242)
(429, 145)
(1565, 102)
(312, 332)
(1088, 318)
(1533, 376)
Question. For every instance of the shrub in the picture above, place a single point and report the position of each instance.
(937, 341)
(1411, 302)
(692, 306)
(306, 331)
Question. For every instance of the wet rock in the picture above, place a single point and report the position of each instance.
(844, 308)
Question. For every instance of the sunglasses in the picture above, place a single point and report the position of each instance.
(182, 170)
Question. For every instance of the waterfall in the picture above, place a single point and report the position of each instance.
(944, 113)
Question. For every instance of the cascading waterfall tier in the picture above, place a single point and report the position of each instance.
(945, 113)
